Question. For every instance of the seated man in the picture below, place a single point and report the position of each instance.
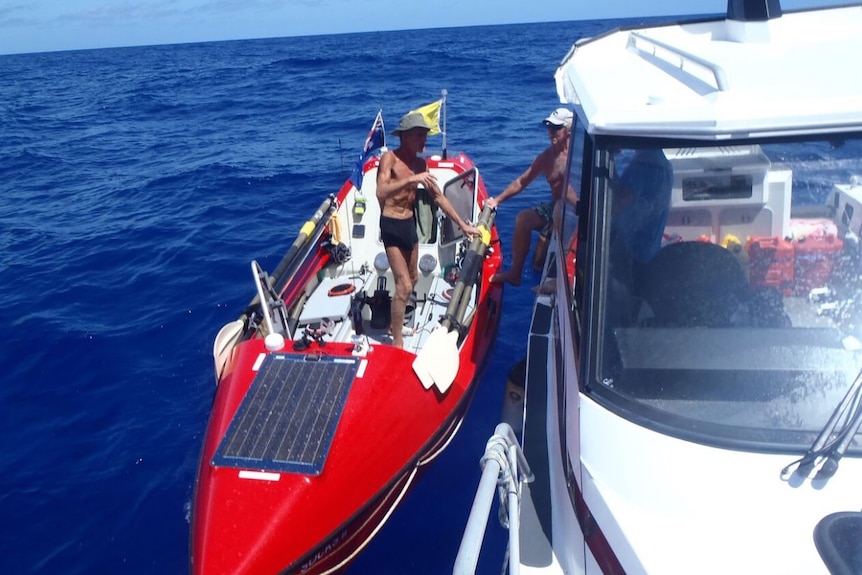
(640, 207)
(642, 203)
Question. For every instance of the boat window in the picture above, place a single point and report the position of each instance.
(461, 193)
(424, 213)
(717, 186)
(727, 295)
(847, 216)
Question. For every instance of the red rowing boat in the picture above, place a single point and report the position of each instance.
(319, 425)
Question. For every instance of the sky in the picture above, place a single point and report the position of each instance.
(50, 25)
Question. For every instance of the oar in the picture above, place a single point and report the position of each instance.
(438, 345)
(438, 360)
(440, 342)
(309, 229)
(327, 208)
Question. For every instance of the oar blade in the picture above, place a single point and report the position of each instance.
(445, 367)
(437, 362)
(424, 375)
(422, 369)
(435, 346)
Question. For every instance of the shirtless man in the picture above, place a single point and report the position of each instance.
(552, 163)
(399, 175)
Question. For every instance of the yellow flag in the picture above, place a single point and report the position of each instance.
(432, 116)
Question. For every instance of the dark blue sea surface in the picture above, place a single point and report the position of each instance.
(137, 185)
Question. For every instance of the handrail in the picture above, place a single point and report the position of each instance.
(259, 278)
(716, 70)
(504, 464)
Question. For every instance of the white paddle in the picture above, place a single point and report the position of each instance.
(439, 345)
(447, 357)
(438, 361)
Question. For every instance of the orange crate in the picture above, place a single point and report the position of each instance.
(815, 258)
(771, 263)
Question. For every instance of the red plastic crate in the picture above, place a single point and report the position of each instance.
(815, 259)
(771, 263)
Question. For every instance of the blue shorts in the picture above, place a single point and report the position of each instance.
(546, 211)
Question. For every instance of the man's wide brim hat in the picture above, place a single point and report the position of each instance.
(410, 121)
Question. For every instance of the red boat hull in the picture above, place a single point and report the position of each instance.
(260, 521)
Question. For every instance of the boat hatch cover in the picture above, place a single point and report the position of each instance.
(288, 417)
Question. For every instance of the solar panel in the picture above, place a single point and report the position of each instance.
(288, 417)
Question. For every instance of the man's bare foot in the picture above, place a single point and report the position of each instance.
(508, 276)
(406, 332)
(549, 287)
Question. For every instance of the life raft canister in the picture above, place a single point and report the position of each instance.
(341, 289)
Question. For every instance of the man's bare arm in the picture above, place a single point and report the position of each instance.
(522, 181)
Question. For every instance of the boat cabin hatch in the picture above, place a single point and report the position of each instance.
(461, 192)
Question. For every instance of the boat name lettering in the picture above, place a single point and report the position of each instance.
(323, 551)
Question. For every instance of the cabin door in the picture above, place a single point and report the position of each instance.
(461, 193)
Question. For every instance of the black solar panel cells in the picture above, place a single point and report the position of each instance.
(288, 417)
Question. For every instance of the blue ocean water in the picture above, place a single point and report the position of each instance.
(137, 185)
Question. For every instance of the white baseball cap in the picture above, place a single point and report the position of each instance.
(559, 117)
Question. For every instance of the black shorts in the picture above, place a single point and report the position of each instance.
(398, 233)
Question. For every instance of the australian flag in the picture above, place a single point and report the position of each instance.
(375, 140)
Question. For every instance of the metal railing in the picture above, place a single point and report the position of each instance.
(503, 466)
(646, 45)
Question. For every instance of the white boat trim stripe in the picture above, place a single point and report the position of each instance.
(259, 475)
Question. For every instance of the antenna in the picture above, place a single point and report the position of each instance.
(443, 118)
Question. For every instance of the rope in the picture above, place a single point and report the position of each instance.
(496, 450)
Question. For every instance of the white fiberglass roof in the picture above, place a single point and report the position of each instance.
(798, 73)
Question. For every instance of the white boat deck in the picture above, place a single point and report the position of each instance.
(368, 272)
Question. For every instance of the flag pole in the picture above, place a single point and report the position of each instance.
(443, 113)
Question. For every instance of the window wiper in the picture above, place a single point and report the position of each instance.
(834, 439)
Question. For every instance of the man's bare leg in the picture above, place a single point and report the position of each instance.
(527, 221)
(398, 262)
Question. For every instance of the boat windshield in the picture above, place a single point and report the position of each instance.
(726, 301)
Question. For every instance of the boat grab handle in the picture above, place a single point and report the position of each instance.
(635, 43)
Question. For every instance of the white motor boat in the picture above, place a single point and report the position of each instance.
(693, 390)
